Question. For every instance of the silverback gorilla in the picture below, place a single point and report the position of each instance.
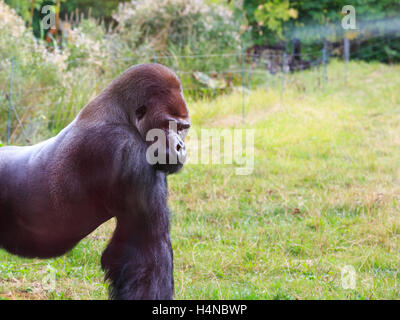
(55, 193)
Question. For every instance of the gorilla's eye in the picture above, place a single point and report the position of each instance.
(140, 112)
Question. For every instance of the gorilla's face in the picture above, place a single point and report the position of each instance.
(163, 122)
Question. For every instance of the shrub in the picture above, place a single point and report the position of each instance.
(35, 69)
(163, 25)
(51, 85)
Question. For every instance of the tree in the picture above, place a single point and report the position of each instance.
(103, 10)
(266, 19)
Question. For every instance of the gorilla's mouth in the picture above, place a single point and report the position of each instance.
(175, 157)
(168, 168)
(168, 152)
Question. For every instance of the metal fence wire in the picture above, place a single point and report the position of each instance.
(247, 70)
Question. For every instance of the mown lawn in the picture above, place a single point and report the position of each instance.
(324, 194)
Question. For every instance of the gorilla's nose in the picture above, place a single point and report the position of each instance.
(180, 145)
(180, 150)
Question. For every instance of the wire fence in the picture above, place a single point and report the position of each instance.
(239, 71)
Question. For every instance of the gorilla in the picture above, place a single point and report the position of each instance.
(55, 193)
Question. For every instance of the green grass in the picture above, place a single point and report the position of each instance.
(324, 194)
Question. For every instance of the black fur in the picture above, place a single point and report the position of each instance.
(57, 192)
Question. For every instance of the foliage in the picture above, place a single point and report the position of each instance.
(273, 14)
(48, 90)
(33, 18)
(22, 7)
(87, 43)
(174, 33)
(18, 43)
(374, 39)
(89, 57)
(179, 24)
(266, 18)
(275, 21)
(105, 10)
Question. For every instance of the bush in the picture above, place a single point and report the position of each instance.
(35, 69)
(86, 43)
(51, 85)
(177, 23)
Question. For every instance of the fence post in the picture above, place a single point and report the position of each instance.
(243, 74)
(346, 45)
(154, 58)
(10, 102)
(324, 60)
(283, 76)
